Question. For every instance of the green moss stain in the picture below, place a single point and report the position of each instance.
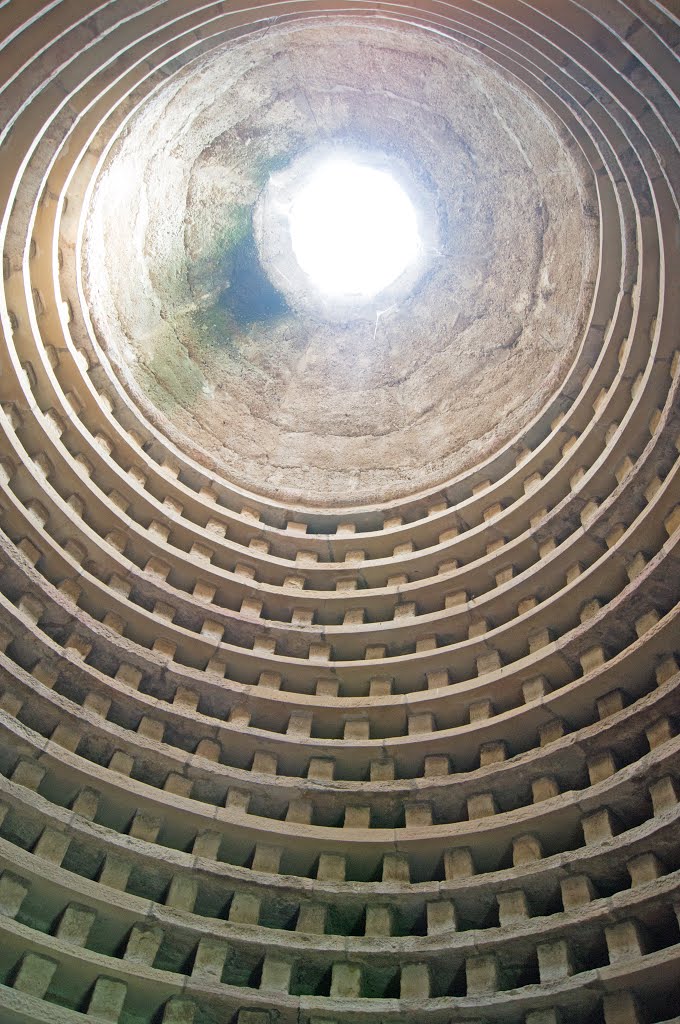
(250, 297)
(239, 227)
(171, 377)
(245, 295)
(233, 293)
(214, 328)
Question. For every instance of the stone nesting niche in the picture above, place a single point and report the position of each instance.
(338, 651)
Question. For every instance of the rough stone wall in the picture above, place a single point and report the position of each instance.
(284, 403)
(408, 761)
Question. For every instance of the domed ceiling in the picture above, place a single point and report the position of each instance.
(285, 397)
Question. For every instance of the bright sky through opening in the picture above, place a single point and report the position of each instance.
(353, 229)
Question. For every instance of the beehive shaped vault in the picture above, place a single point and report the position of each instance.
(268, 761)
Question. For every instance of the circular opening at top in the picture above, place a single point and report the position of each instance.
(353, 229)
(345, 233)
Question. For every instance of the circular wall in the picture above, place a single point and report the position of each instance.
(301, 720)
(303, 401)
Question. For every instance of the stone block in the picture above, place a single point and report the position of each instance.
(357, 817)
(415, 981)
(421, 723)
(621, 1008)
(378, 920)
(75, 924)
(549, 1016)
(538, 639)
(417, 814)
(121, 762)
(321, 768)
(597, 826)
(601, 766)
(240, 716)
(592, 659)
(441, 917)
(644, 868)
(512, 907)
(489, 662)
(331, 867)
(178, 785)
(130, 675)
(143, 945)
(115, 872)
(322, 652)
(664, 794)
(97, 704)
(10, 704)
(357, 729)
(554, 961)
(107, 999)
(480, 711)
(237, 800)
(481, 974)
(550, 732)
(666, 669)
(396, 868)
(544, 788)
(645, 622)
(52, 846)
(267, 858)
(436, 765)
(28, 774)
(482, 805)
(276, 974)
(35, 974)
(145, 826)
(577, 890)
(45, 673)
(492, 753)
(378, 687)
(209, 960)
(624, 941)
(13, 891)
(312, 918)
(610, 704)
(251, 607)
(382, 771)
(345, 981)
(523, 607)
(207, 844)
(264, 763)
(179, 1011)
(245, 908)
(659, 732)
(212, 751)
(458, 864)
(300, 811)
(151, 728)
(182, 893)
(525, 850)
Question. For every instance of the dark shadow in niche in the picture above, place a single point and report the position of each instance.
(250, 297)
